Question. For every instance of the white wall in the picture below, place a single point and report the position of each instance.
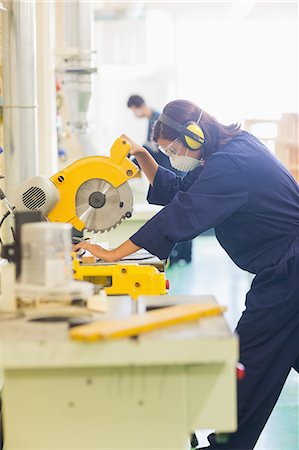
(242, 68)
(235, 62)
(145, 68)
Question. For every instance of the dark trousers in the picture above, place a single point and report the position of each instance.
(269, 347)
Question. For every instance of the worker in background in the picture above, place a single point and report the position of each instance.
(237, 186)
(136, 103)
(141, 110)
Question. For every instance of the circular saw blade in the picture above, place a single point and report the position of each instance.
(100, 206)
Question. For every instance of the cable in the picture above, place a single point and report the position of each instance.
(4, 217)
(13, 233)
(12, 229)
(1, 223)
(10, 210)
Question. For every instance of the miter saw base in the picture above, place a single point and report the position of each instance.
(122, 278)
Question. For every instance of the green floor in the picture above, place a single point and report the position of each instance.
(212, 272)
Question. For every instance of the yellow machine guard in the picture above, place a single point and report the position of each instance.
(123, 279)
(116, 169)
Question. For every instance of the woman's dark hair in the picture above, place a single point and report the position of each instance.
(135, 100)
(183, 111)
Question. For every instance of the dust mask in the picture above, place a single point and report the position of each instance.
(184, 163)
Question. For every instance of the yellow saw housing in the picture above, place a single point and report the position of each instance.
(115, 169)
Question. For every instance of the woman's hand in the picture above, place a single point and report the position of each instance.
(145, 160)
(135, 149)
(96, 250)
(125, 249)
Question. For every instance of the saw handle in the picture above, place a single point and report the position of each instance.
(119, 150)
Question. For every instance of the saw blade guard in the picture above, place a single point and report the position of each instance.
(94, 191)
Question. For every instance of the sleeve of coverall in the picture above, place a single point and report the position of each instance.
(218, 193)
(167, 184)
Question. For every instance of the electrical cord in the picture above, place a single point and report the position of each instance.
(10, 210)
(11, 228)
(13, 233)
(4, 217)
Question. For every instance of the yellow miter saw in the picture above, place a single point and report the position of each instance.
(94, 193)
(91, 193)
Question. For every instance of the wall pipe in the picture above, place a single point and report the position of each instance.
(77, 63)
(19, 93)
(46, 88)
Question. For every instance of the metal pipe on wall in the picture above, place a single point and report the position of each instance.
(19, 93)
(46, 88)
(77, 62)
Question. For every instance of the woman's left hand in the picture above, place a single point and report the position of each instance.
(96, 250)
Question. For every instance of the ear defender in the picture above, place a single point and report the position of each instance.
(191, 133)
(189, 141)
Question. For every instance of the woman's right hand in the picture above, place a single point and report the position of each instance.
(145, 160)
(135, 149)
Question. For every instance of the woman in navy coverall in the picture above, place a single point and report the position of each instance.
(252, 201)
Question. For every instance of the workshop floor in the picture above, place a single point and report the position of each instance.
(210, 263)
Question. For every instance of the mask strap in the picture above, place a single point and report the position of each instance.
(200, 116)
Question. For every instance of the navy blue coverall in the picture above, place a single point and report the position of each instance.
(252, 201)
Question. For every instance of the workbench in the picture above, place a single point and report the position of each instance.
(144, 393)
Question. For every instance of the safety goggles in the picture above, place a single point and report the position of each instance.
(173, 148)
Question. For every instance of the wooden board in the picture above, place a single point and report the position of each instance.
(144, 323)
